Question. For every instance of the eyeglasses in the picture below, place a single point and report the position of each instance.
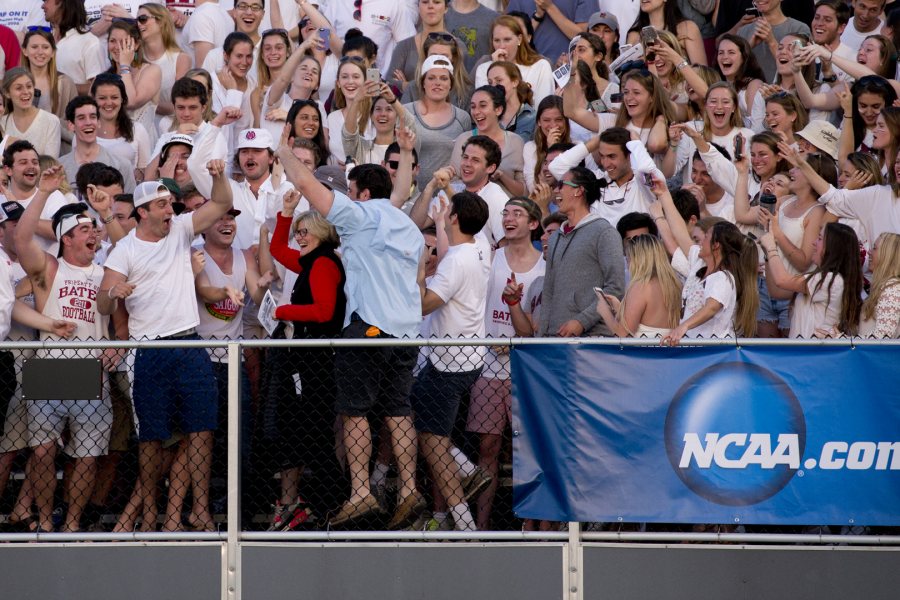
(571, 184)
(357, 14)
(40, 28)
(303, 232)
(441, 37)
(244, 7)
(143, 19)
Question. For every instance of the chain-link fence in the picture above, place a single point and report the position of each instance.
(331, 436)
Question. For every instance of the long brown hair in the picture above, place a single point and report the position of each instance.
(540, 142)
(52, 73)
(659, 100)
(525, 55)
(340, 101)
(740, 258)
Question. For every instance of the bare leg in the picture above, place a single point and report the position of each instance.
(22, 509)
(199, 459)
(43, 478)
(489, 460)
(444, 469)
(358, 444)
(403, 440)
(290, 485)
(106, 474)
(150, 462)
(127, 519)
(179, 484)
(80, 486)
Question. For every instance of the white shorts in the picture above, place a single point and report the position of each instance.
(15, 431)
(89, 424)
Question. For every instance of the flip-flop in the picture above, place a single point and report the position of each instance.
(27, 525)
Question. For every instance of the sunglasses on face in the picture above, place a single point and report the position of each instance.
(395, 164)
(559, 185)
(143, 19)
(441, 37)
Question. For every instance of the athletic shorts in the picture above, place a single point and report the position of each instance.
(436, 396)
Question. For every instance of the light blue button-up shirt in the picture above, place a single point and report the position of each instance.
(380, 247)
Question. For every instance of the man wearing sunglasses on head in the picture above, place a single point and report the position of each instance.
(620, 191)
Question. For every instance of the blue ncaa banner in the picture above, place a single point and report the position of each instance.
(801, 435)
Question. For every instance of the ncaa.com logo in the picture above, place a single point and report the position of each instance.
(736, 435)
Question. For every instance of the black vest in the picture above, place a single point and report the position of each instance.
(302, 294)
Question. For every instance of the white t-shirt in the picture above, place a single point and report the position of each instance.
(854, 38)
(209, 22)
(719, 286)
(497, 321)
(820, 309)
(461, 282)
(79, 56)
(163, 301)
(385, 22)
(19, 15)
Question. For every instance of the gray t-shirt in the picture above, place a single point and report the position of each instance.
(71, 167)
(437, 142)
(761, 51)
(473, 29)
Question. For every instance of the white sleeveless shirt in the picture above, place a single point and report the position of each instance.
(73, 298)
(222, 320)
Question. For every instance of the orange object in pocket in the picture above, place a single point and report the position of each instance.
(373, 331)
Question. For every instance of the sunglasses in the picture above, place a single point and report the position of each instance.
(357, 14)
(143, 19)
(128, 20)
(441, 37)
(612, 202)
(395, 164)
(303, 23)
(559, 185)
(352, 58)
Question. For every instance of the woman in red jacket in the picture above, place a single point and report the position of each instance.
(316, 311)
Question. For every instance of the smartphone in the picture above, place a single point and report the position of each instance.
(598, 106)
(616, 98)
(753, 11)
(796, 47)
(601, 294)
(36, 97)
(738, 147)
(648, 179)
(649, 36)
(324, 34)
(373, 74)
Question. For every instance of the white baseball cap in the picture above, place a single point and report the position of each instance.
(256, 138)
(437, 61)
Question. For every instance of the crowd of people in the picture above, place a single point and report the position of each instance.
(670, 169)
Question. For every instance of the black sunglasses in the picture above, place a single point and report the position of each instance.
(142, 19)
(395, 164)
(352, 58)
(357, 14)
(441, 36)
(128, 20)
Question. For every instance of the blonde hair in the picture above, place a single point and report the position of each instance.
(52, 73)
(166, 26)
(647, 260)
(264, 74)
(8, 80)
(659, 100)
(525, 54)
(669, 39)
(45, 162)
(317, 226)
(340, 101)
(887, 271)
(737, 119)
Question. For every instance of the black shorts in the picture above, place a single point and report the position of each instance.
(373, 378)
(435, 398)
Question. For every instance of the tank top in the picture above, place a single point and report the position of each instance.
(497, 321)
(793, 230)
(222, 320)
(73, 298)
(168, 62)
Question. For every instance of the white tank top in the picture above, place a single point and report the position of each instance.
(497, 322)
(222, 320)
(73, 298)
(792, 227)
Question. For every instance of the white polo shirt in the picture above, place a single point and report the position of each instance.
(385, 22)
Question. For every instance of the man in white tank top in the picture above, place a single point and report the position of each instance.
(65, 288)
(518, 263)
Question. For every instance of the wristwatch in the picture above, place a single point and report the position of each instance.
(831, 79)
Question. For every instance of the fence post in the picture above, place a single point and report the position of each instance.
(233, 574)
(573, 578)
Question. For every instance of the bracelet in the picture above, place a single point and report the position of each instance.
(513, 303)
(535, 16)
(109, 293)
(682, 65)
(848, 116)
(109, 219)
(124, 69)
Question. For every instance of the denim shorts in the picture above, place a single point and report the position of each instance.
(770, 309)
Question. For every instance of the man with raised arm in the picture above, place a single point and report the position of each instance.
(381, 249)
(151, 271)
(65, 287)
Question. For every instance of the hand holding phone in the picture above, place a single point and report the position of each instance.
(373, 74)
(325, 35)
(738, 147)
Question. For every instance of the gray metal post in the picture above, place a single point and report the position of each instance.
(232, 578)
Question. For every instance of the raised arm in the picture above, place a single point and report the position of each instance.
(320, 197)
(674, 220)
(220, 200)
(743, 212)
(406, 139)
(101, 202)
(205, 149)
(32, 257)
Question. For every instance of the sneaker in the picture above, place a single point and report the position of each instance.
(420, 523)
(277, 517)
(296, 515)
(434, 525)
(475, 483)
(59, 515)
